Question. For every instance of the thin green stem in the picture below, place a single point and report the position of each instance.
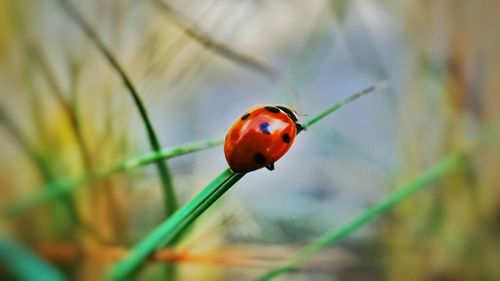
(55, 189)
(167, 232)
(170, 200)
(377, 87)
(404, 191)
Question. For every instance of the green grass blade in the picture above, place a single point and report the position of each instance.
(170, 229)
(440, 169)
(24, 265)
(56, 189)
(170, 199)
(174, 236)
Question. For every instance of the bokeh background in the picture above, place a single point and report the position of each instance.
(64, 111)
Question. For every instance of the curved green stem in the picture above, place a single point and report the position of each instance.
(170, 200)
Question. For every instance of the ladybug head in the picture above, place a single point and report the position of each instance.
(289, 112)
(292, 116)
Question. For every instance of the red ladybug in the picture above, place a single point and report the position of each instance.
(260, 137)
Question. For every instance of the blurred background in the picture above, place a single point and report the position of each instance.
(198, 65)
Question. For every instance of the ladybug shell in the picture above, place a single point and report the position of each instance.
(259, 138)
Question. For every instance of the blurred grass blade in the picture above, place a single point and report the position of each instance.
(440, 169)
(170, 200)
(10, 127)
(55, 189)
(195, 32)
(39, 57)
(36, 54)
(40, 162)
(170, 229)
(24, 265)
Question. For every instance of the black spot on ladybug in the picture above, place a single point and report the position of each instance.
(272, 109)
(245, 116)
(286, 138)
(259, 158)
(264, 127)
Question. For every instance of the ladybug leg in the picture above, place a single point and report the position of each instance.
(270, 167)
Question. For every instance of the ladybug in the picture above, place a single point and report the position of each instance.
(260, 137)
